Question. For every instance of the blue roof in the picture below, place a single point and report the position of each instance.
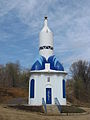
(54, 64)
(39, 64)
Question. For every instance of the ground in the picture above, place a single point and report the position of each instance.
(14, 114)
(17, 96)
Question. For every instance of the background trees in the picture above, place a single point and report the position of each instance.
(11, 75)
(80, 71)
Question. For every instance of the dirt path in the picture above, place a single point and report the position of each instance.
(13, 114)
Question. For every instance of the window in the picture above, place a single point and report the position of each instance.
(48, 79)
(32, 88)
(64, 95)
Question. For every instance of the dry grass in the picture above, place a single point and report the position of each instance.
(13, 114)
(14, 92)
(7, 94)
(72, 109)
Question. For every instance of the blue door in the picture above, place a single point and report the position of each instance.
(48, 96)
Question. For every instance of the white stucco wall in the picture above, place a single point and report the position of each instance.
(41, 84)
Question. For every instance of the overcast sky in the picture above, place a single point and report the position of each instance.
(22, 20)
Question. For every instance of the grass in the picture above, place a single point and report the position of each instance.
(28, 108)
(72, 109)
(65, 109)
(7, 94)
(14, 114)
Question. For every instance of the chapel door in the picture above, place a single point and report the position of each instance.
(48, 96)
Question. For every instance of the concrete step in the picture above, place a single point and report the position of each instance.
(52, 110)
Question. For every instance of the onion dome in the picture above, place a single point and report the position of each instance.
(39, 64)
(55, 64)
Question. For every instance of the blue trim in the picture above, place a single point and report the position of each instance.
(32, 88)
(64, 94)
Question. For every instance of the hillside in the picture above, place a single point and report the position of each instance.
(9, 94)
(20, 95)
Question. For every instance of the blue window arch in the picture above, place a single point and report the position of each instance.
(32, 88)
(64, 94)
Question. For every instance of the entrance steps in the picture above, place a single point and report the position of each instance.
(52, 110)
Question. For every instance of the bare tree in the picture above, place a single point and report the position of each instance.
(11, 75)
(81, 75)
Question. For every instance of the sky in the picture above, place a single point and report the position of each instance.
(22, 20)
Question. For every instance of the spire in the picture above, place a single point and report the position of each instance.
(46, 40)
(45, 28)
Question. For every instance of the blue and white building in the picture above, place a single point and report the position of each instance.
(47, 80)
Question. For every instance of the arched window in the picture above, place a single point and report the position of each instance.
(32, 88)
(64, 95)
